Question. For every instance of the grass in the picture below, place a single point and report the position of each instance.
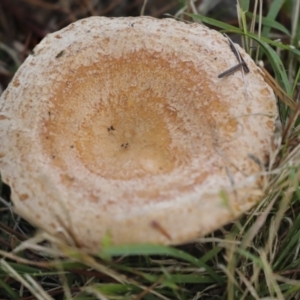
(257, 257)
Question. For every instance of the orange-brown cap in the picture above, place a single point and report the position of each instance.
(120, 127)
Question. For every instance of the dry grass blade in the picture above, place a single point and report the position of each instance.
(250, 287)
(94, 291)
(270, 278)
(148, 290)
(280, 93)
(30, 283)
(257, 225)
(291, 123)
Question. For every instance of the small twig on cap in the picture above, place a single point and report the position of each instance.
(237, 53)
(231, 70)
(240, 60)
(159, 228)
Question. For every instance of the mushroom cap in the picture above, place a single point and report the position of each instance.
(121, 128)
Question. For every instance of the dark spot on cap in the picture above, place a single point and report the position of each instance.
(60, 54)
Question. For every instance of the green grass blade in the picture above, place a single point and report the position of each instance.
(116, 288)
(244, 5)
(22, 269)
(276, 63)
(296, 80)
(272, 14)
(87, 298)
(190, 278)
(270, 23)
(233, 29)
(5, 287)
(159, 250)
(210, 254)
(291, 240)
(214, 22)
(250, 256)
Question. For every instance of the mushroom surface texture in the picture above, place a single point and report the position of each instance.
(121, 128)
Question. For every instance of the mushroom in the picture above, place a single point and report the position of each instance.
(121, 128)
